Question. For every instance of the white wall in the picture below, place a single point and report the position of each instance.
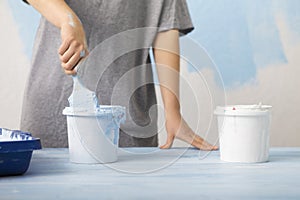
(14, 67)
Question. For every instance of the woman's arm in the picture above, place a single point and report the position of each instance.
(73, 38)
(166, 53)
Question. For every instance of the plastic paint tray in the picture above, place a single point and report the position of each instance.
(15, 151)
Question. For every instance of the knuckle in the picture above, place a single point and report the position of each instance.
(68, 66)
(67, 72)
(60, 50)
(70, 39)
(63, 59)
(81, 47)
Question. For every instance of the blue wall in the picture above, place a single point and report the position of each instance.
(242, 36)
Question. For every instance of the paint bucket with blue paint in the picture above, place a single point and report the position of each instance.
(93, 129)
(244, 132)
(93, 135)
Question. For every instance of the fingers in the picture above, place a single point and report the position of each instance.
(186, 134)
(201, 144)
(169, 142)
(65, 57)
(71, 63)
(73, 42)
(63, 47)
(71, 57)
(205, 144)
(70, 72)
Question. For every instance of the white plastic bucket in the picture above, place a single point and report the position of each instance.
(93, 136)
(244, 133)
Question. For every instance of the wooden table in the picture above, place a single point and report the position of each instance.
(151, 173)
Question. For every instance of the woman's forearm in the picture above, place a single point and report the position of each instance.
(167, 58)
(56, 12)
(166, 53)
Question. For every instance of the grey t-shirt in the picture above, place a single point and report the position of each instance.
(119, 35)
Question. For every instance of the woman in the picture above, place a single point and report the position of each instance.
(69, 30)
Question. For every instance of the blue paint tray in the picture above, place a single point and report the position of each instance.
(15, 151)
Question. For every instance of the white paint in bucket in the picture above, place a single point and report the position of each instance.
(93, 136)
(244, 133)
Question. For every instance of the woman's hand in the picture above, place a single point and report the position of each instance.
(73, 47)
(178, 128)
(166, 53)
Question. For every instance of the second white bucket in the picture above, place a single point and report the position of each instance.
(93, 137)
(244, 133)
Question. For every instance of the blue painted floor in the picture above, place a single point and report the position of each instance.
(150, 173)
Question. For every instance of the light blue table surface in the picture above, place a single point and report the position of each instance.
(151, 173)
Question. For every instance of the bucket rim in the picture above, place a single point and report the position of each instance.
(101, 111)
(243, 110)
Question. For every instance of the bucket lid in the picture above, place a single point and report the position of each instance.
(243, 110)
